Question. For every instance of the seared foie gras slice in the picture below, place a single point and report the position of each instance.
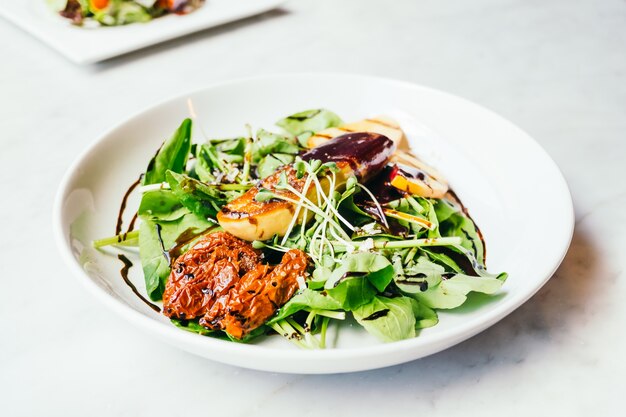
(249, 219)
(382, 125)
(361, 154)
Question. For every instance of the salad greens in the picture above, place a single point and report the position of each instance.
(119, 12)
(391, 282)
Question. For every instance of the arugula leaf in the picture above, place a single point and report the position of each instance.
(172, 155)
(156, 267)
(389, 319)
(443, 259)
(456, 223)
(309, 121)
(196, 196)
(306, 299)
(207, 162)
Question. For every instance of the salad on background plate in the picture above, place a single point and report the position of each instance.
(293, 231)
(120, 12)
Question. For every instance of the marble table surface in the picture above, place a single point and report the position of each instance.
(557, 68)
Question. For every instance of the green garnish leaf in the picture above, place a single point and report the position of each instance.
(171, 156)
(197, 197)
(156, 239)
(389, 319)
(161, 205)
(309, 121)
(306, 300)
(372, 266)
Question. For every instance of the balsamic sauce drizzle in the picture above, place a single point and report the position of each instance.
(377, 314)
(127, 263)
(118, 226)
(124, 272)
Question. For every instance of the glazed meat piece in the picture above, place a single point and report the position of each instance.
(222, 280)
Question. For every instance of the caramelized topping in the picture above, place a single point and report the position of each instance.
(222, 281)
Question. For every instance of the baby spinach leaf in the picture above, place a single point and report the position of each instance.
(172, 155)
(309, 121)
(389, 319)
(381, 278)
(197, 197)
(192, 326)
(157, 237)
(320, 276)
(272, 143)
(270, 163)
(353, 292)
(306, 299)
(452, 292)
(418, 276)
(375, 267)
(424, 316)
(160, 205)
(207, 162)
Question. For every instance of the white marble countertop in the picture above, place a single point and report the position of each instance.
(557, 68)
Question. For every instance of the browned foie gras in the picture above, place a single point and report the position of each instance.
(222, 281)
(362, 154)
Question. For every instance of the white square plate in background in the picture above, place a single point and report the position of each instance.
(88, 45)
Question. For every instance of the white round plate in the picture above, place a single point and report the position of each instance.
(498, 171)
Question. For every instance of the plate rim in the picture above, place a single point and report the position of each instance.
(171, 333)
